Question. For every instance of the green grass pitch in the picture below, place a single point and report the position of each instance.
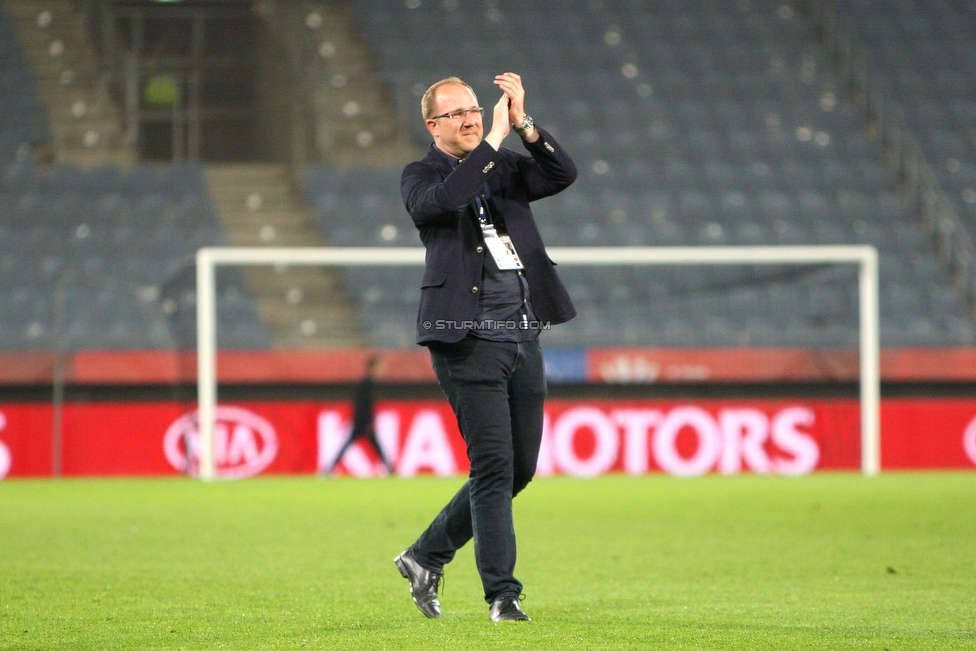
(830, 561)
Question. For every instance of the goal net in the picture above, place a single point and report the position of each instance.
(864, 259)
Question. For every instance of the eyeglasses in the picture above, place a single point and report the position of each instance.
(461, 113)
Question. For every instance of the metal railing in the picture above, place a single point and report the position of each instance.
(126, 74)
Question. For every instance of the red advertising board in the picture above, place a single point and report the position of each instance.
(641, 365)
(583, 438)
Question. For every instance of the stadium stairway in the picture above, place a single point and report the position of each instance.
(303, 307)
(23, 119)
(355, 123)
(86, 126)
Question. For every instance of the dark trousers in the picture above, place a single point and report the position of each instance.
(368, 434)
(497, 391)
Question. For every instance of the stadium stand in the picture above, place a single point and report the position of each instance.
(704, 123)
(700, 123)
(102, 259)
(362, 207)
(923, 54)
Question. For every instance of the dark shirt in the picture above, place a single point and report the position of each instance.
(504, 309)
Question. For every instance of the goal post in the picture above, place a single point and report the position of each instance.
(864, 257)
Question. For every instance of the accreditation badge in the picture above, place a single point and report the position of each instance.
(502, 249)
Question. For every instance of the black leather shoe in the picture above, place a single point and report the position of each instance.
(423, 584)
(507, 609)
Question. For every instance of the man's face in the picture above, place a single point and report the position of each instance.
(456, 137)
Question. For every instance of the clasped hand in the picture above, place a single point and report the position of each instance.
(509, 109)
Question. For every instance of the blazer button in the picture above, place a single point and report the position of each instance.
(480, 249)
(474, 290)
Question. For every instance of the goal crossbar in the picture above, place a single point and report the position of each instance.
(865, 257)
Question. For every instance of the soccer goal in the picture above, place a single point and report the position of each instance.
(864, 257)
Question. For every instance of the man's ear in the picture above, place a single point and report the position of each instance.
(432, 127)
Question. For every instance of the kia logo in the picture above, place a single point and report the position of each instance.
(5, 457)
(244, 444)
(969, 440)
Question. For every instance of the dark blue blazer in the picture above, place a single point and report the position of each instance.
(441, 200)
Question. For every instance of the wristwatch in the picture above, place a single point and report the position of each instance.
(527, 123)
